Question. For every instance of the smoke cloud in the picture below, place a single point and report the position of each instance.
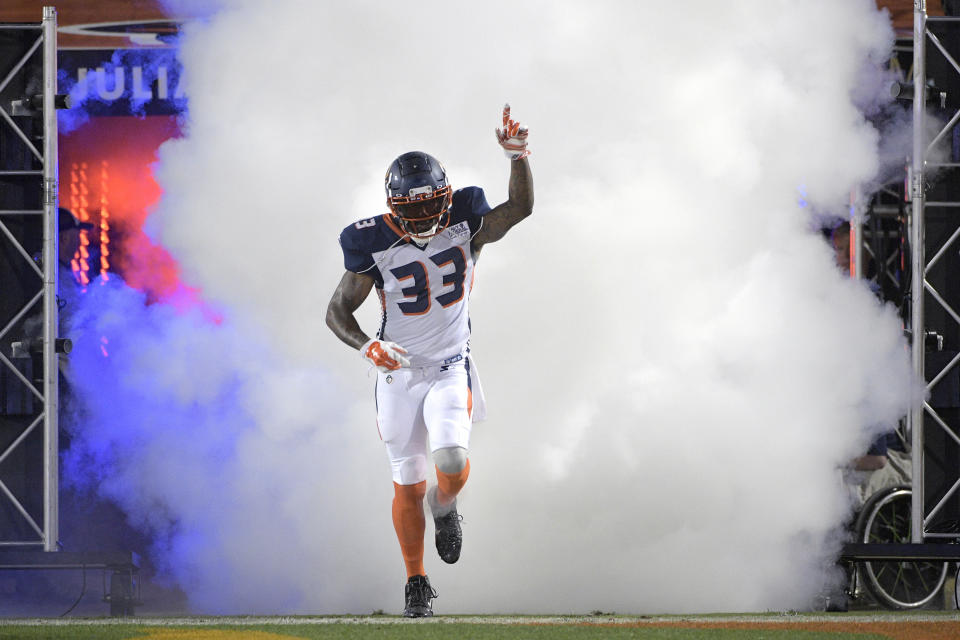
(674, 367)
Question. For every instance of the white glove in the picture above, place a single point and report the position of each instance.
(513, 137)
(385, 356)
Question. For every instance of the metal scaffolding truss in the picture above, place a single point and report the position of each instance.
(44, 533)
(927, 507)
(877, 239)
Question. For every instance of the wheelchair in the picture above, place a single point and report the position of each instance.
(885, 518)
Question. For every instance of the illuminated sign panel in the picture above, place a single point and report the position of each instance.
(142, 82)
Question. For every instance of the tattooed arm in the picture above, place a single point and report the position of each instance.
(513, 138)
(518, 206)
(350, 294)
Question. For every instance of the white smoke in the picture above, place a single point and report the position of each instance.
(674, 368)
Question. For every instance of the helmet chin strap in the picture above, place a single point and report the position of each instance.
(423, 238)
(422, 242)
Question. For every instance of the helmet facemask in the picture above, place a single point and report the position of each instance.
(422, 215)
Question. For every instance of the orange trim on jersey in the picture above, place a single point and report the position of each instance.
(426, 276)
(454, 284)
(393, 227)
(469, 402)
(473, 276)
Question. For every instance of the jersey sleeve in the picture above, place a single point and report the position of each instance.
(470, 204)
(356, 257)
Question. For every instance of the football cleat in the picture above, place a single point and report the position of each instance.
(417, 596)
(446, 520)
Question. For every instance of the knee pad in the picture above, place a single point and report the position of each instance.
(450, 459)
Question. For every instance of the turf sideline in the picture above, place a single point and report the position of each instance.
(784, 618)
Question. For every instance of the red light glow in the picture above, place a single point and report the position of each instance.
(79, 204)
(124, 149)
(104, 223)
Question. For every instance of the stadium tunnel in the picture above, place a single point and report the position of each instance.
(117, 62)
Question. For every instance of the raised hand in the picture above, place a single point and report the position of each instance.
(513, 137)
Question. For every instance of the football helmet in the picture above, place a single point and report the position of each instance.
(418, 195)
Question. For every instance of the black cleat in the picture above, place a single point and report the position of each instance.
(446, 520)
(418, 593)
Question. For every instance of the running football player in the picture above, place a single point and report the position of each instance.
(420, 257)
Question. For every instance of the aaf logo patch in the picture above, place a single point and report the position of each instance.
(459, 231)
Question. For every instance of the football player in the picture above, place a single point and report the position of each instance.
(420, 258)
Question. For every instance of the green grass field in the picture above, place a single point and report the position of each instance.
(412, 631)
(882, 626)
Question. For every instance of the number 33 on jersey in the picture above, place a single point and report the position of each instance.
(424, 293)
